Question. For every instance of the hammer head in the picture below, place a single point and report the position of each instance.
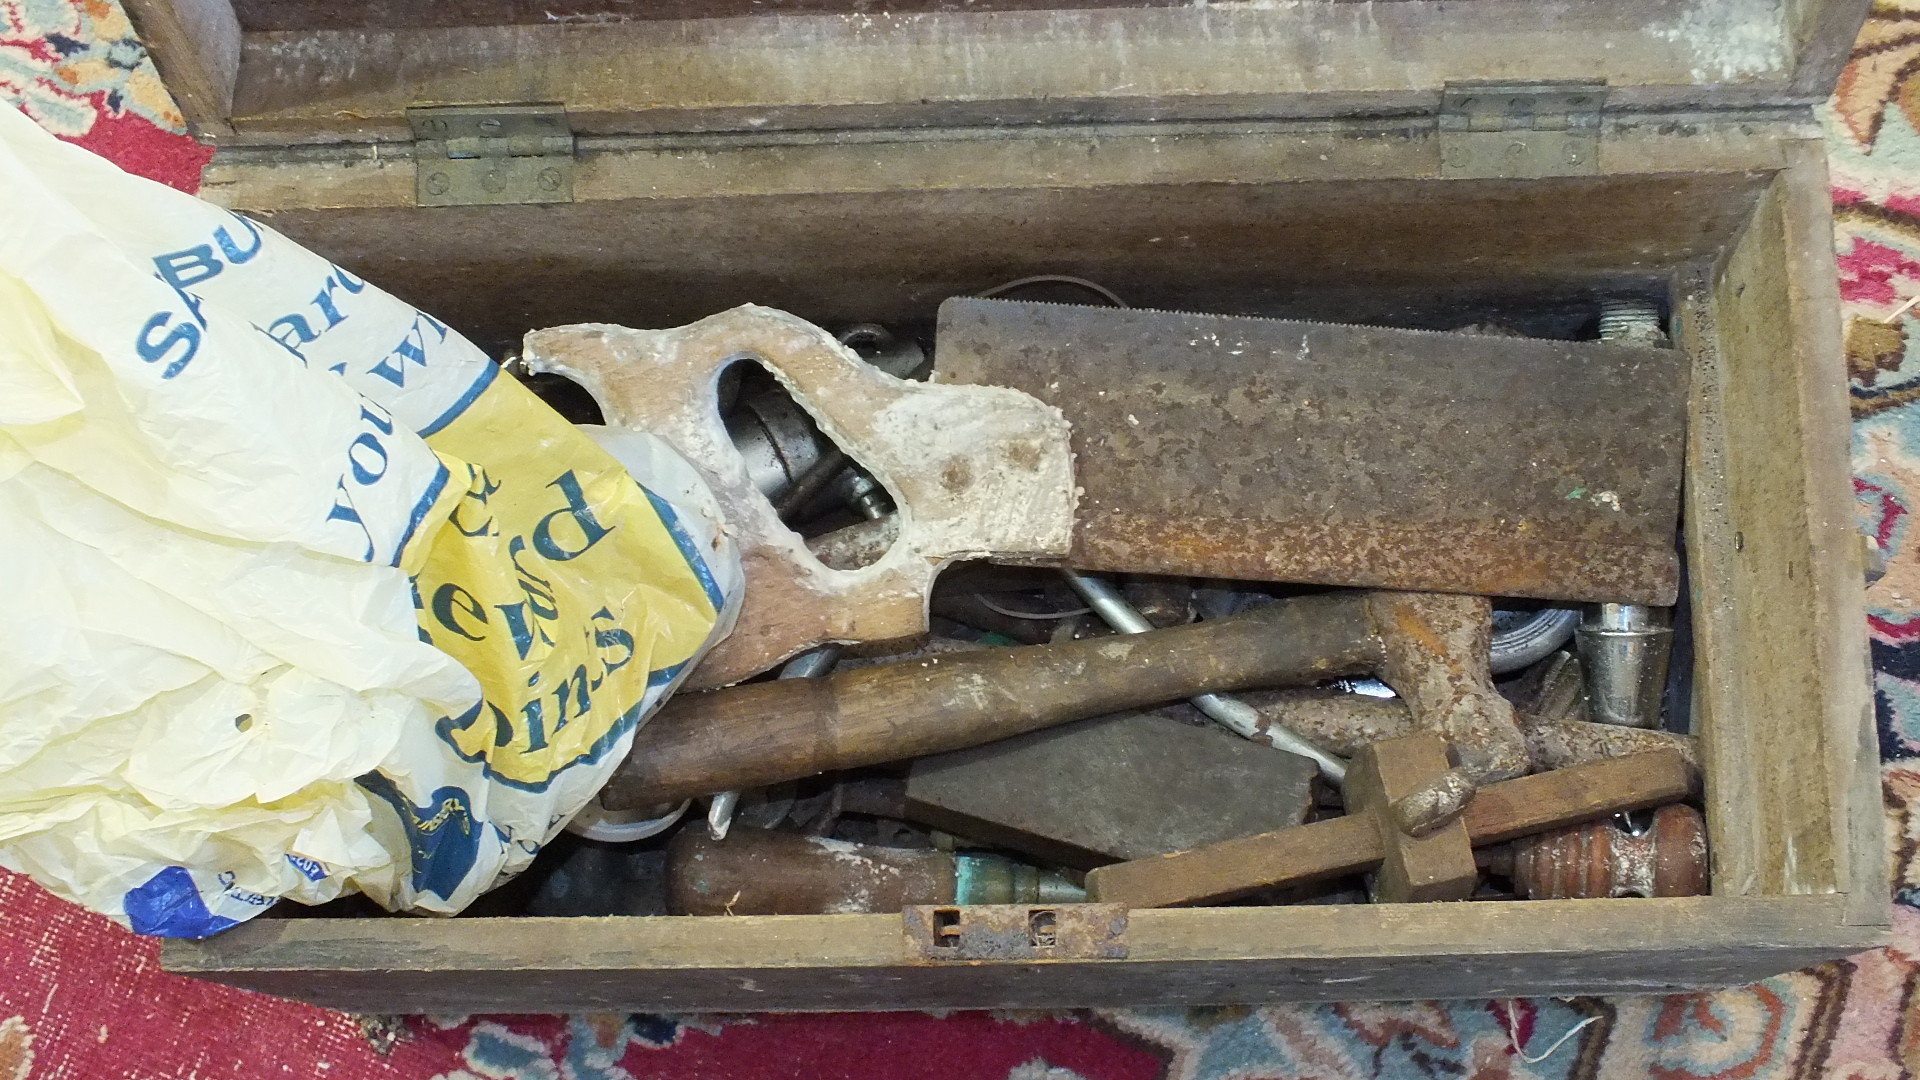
(1434, 653)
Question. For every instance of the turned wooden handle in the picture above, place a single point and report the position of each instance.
(764, 733)
(753, 872)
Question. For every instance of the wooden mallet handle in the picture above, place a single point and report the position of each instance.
(1346, 845)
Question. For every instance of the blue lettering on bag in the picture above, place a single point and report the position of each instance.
(479, 490)
(183, 334)
(591, 531)
(309, 868)
(412, 347)
(230, 249)
(343, 510)
(371, 463)
(294, 330)
(290, 332)
(445, 599)
(191, 266)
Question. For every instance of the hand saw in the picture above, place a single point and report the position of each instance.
(1266, 449)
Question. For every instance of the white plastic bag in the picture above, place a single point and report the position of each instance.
(305, 596)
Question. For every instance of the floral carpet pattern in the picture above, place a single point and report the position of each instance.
(81, 998)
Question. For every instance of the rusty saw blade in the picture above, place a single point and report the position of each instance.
(1266, 449)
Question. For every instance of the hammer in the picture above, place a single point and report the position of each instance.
(1431, 649)
(1410, 866)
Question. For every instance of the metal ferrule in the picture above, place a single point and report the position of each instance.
(990, 879)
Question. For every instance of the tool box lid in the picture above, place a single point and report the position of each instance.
(296, 72)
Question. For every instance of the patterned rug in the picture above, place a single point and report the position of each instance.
(81, 998)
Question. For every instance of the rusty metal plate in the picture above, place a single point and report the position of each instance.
(1266, 449)
(1016, 932)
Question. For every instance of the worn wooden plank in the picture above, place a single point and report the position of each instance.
(1235, 868)
(1835, 566)
(1823, 32)
(1707, 527)
(1417, 253)
(1109, 155)
(196, 46)
(1515, 808)
(1783, 673)
(1175, 957)
(333, 14)
(829, 71)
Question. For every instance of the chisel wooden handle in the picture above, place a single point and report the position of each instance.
(764, 733)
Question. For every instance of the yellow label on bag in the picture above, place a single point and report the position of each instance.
(547, 515)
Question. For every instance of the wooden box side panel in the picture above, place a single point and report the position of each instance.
(1177, 957)
(1783, 679)
(1353, 251)
(1823, 34)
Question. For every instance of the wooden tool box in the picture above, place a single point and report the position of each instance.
(510, 165)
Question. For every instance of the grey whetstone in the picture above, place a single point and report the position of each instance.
(1111, 789)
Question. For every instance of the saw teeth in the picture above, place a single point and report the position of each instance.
(1264, 319)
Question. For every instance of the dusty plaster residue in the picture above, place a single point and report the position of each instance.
(1635, 867)
(1254, 5)
(975, 471)
(1730, 40)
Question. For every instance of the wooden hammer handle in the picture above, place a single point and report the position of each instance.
(1503, 811)
(764, 733)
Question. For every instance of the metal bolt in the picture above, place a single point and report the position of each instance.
(438, 184)
(1516, 148)
(1634, 320)
(1456, 156)
(1574, 156)
(490, 125)
(494, 181)
(549, 179)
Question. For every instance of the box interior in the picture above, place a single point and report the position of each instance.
(1740, 253)
(1536, 255)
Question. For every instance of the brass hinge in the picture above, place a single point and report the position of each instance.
(1520, 131)
(476, 155)
(1016, 932)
